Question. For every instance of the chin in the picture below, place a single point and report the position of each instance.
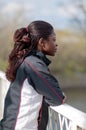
(52, 54)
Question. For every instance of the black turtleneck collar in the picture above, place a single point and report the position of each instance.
(41, 56)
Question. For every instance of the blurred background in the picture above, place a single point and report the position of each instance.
(68, 18)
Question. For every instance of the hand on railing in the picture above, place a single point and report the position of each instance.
(65, 98)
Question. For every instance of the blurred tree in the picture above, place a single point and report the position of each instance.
(76, 14)
(79, 18)
(9, 22)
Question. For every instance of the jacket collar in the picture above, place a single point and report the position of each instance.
(41, 56)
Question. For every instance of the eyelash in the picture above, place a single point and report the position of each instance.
(54, 40)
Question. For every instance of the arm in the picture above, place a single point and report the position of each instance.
(45, 84)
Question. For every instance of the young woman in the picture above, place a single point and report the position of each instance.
(32, 87)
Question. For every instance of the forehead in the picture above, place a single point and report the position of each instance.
(53, 35)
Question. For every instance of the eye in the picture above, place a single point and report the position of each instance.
(54, 39)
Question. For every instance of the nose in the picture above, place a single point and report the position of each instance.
(56, 44)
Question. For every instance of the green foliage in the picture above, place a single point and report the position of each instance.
(70, 59)
(69, 65)
(3, 65)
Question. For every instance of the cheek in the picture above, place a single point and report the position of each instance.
(49, 46)
(52, 46)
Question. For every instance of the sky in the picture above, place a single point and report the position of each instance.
(52, 11)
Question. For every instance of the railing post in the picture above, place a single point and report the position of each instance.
(4, 84)
(66, 124)
(74, 126)
(0, 98)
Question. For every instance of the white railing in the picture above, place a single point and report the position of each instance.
(66, 117)
(4, 84)
(63, 117)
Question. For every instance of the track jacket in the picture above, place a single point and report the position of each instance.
(27, 100)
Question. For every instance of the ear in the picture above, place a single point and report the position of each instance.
(41, 42)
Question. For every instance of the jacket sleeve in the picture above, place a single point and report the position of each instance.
(44, 83)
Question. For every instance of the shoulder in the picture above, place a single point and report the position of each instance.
(33, 59)
(36, 63)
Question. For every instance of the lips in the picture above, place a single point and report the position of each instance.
(55, 49)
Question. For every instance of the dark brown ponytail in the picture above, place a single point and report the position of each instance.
(21, 48)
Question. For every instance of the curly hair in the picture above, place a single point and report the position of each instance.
(25, 40)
